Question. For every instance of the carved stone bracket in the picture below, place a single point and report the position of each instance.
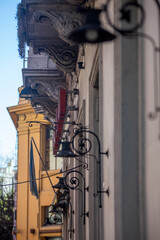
(48, 84)
(47, 108)
(63, 21)
(49, 95)
(46, 27)
(49, 88)
(64, 55)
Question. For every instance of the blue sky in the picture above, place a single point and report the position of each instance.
(10, 74)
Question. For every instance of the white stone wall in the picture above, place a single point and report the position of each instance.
(39, 61)
(151, 163)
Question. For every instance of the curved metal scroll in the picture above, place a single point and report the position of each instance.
(73, 182)
(126, 11)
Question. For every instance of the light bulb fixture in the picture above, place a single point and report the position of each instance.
(28, 93)
(61, 198)
(61, 185)
(91, 31)
(66, 151)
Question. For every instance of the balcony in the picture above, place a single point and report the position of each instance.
(45, 25)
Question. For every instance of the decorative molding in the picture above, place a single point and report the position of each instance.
(48, 83)
(61, 20)
(49, 88)
(22, 117)
(64, 55)
(47, 102)
(48, 109)
(42, 74)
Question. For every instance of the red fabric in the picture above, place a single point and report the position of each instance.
(60, 116)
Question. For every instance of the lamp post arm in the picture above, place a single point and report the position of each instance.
(30, 123)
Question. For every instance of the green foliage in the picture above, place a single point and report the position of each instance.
(6, 161)
(6, 215)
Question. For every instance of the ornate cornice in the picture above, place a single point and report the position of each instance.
(64, 55)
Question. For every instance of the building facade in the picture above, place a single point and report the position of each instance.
(32, 216)
(111, 111)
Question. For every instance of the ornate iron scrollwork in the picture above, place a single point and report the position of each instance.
(126, 11)
(83, 145)
(72, 181)
(63, 21)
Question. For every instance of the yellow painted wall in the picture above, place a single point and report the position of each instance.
(29, 209)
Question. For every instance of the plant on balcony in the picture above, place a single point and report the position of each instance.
(21, 31)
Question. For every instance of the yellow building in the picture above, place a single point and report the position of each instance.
(32, 213)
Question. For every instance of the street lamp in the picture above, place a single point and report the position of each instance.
(92, 31)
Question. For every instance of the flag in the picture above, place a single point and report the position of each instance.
(33, 184)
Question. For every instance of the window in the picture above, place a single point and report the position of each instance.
(52, 163)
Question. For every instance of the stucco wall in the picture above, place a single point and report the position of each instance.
(151, 126)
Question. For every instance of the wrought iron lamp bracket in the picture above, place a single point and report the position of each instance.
(71, 230)
(86, 214)
(105, 153)
(30, 124)
(87, 189)
(73, 182)
(107, 191)
(125, 11)
(84, 147)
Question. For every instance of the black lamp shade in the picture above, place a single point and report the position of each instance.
(91, 31)
(65, 151)
(61, 185)
(28, 92)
